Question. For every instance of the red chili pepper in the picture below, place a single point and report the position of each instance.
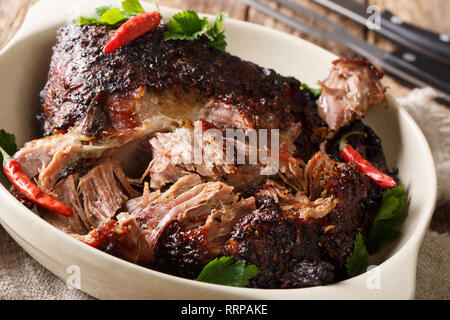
(364, 166)
(133, 29)
(20, 180)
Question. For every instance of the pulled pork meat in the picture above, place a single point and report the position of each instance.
(298, 204)
(175, 155)
(94, 198)
(351, 88)
(190, 214)
(118, 149)
(300, 241)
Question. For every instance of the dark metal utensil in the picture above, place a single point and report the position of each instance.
(407, 64)
(393, 28)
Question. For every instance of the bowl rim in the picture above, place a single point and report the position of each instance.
(411, 245)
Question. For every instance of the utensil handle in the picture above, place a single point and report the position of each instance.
(421, 67)
(433, 42)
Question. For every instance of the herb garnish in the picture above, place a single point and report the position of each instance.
(358, 261)
(8, 143)
(187, 25)
(109, 15)
(223, 271)
(132, 6)
(385, 226)
(316, 92)
(384, 230)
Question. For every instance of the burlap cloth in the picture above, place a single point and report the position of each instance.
(21, 277)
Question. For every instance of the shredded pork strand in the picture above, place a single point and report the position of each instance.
(298, 204)
(350, 89)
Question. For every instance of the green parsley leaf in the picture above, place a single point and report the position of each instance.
(384, 230)
(8, 143)
(132, 6)
(80, 21)
(223, 271)
(391, 213)
(250, 272)
(215, 29)
(316, 92)
(187, 25)
(101, 10)
(358, 261)
(380, 236)
(219, 42)
(110, 16)
(217, 37)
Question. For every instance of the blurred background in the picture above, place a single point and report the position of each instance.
(433, 272)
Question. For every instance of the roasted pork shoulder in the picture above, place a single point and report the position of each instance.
(118, 147)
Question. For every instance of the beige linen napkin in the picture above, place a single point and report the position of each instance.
(433, 268)
(21, 277)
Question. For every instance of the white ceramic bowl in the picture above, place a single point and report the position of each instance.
(23, 70)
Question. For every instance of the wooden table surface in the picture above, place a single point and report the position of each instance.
(431, 14)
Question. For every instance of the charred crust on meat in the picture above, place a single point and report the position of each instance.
(368, 145)
(80, 72)
(95, 95)
(285, 249)
(292, 252)
(182, 253)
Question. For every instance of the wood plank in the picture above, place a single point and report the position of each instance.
(234, 8)
(12, 12)
(430, 14)
(257, 17)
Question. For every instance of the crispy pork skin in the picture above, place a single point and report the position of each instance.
(94, 103)
(303, 239)
(192, 214)
(350, 89)
(128, 241)
(368, 145)
(185, 248)
(357, 199)
(100, 94)
(121, 237)
(281, 246)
